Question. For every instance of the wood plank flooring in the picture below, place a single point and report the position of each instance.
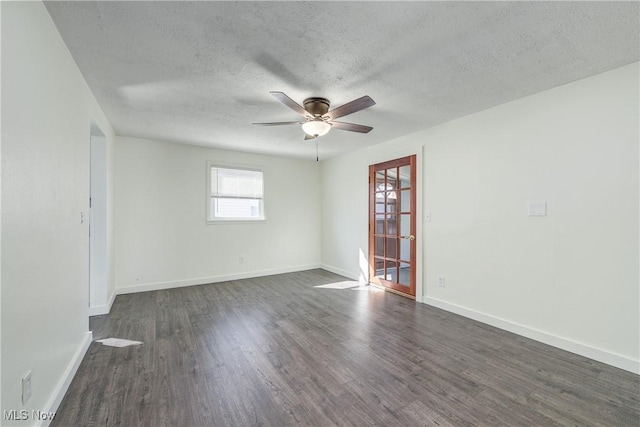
(283, 351)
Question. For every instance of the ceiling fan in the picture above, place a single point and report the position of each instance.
(318, 120)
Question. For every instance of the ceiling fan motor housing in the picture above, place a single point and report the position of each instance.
(317, 107)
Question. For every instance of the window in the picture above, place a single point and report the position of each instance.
(235, 194)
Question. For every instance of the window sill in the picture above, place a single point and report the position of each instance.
(236, 221)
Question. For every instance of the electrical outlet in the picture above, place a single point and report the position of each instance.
(241, 260)
(441, 282)
(26, 387)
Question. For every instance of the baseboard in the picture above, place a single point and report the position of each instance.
(206, 280)
(111, 300)
(99, 310)
(340, 272)
(67, 377)
(590, 352)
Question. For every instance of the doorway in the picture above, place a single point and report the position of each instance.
(392, 225)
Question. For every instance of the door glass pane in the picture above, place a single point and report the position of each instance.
(405, 176)
(379, 224)
(379, 267)
(405, 250)
(379, 246)
(391, 247)
(392, 271)
(405, 225)
(380, 180)
(404, 274)
(392, 179)
(391, 201)
(392, 225)
(405, 201)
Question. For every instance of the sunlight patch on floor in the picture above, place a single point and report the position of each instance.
(347, 284)
(351, 285)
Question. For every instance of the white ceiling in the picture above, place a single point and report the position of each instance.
(200, 72)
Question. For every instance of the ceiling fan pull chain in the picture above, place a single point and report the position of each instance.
(317, 155)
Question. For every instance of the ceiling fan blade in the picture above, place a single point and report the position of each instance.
(351, 127)
(280, 96)
(308, 137)
(276, 123)
(351, 107)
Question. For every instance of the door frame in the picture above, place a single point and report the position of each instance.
(416, 288)
(98, 296)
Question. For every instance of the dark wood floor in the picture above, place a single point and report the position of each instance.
(279, 350)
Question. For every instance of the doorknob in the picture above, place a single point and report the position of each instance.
(412, 237)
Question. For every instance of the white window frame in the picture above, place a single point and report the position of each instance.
(210, 216)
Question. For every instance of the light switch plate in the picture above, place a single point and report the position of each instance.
(537, 209)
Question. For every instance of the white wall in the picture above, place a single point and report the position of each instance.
(569, 279)
(46, 119)
(163, 240)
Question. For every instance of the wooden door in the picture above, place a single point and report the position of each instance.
(392, 225)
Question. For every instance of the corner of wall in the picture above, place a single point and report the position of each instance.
(358, 277)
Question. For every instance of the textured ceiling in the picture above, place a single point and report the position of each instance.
(200, 72)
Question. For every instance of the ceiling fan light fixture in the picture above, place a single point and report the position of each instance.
(316, 127)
